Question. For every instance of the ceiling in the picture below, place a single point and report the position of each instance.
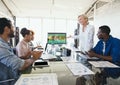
(68, 9)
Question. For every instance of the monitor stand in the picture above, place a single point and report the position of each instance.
(46, 47)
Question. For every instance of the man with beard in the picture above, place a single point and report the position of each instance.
(108, 49)
(7, 57)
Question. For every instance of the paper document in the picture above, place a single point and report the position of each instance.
(48, 56)
(68, 59)
(103, 64)
(87, 57)
(37, 79)
(79, 69)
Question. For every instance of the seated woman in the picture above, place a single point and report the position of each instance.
(22, 48)
(31, 44)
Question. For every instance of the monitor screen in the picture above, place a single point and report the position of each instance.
(56, 38)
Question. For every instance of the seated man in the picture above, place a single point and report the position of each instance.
(108, 48)
(7, 57)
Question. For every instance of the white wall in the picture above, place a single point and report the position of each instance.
(41, 27)
(109, 15)
(3, 11)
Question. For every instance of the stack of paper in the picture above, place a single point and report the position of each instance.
(48, 56)
(38, 79)
(68, 59)
(103, 64)
(79, 69)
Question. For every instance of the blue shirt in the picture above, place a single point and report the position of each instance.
(112, 48)
(8, 58)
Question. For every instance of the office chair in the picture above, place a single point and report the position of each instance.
(7, 75)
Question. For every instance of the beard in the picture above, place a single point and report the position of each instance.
(100, 38)
(11, 35)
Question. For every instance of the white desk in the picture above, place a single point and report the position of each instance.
(64, 75)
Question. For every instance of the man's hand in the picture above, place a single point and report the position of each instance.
(91, 54)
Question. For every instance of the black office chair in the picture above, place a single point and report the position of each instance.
(7, 75)
(14, 51)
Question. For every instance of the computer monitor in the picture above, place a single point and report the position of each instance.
(56, 38)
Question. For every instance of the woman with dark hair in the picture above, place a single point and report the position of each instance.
(23, 49)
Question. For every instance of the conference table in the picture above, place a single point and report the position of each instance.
(66, 76)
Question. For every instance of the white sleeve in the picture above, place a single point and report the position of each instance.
(20, 50)
(76, 36)
(90, 39)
